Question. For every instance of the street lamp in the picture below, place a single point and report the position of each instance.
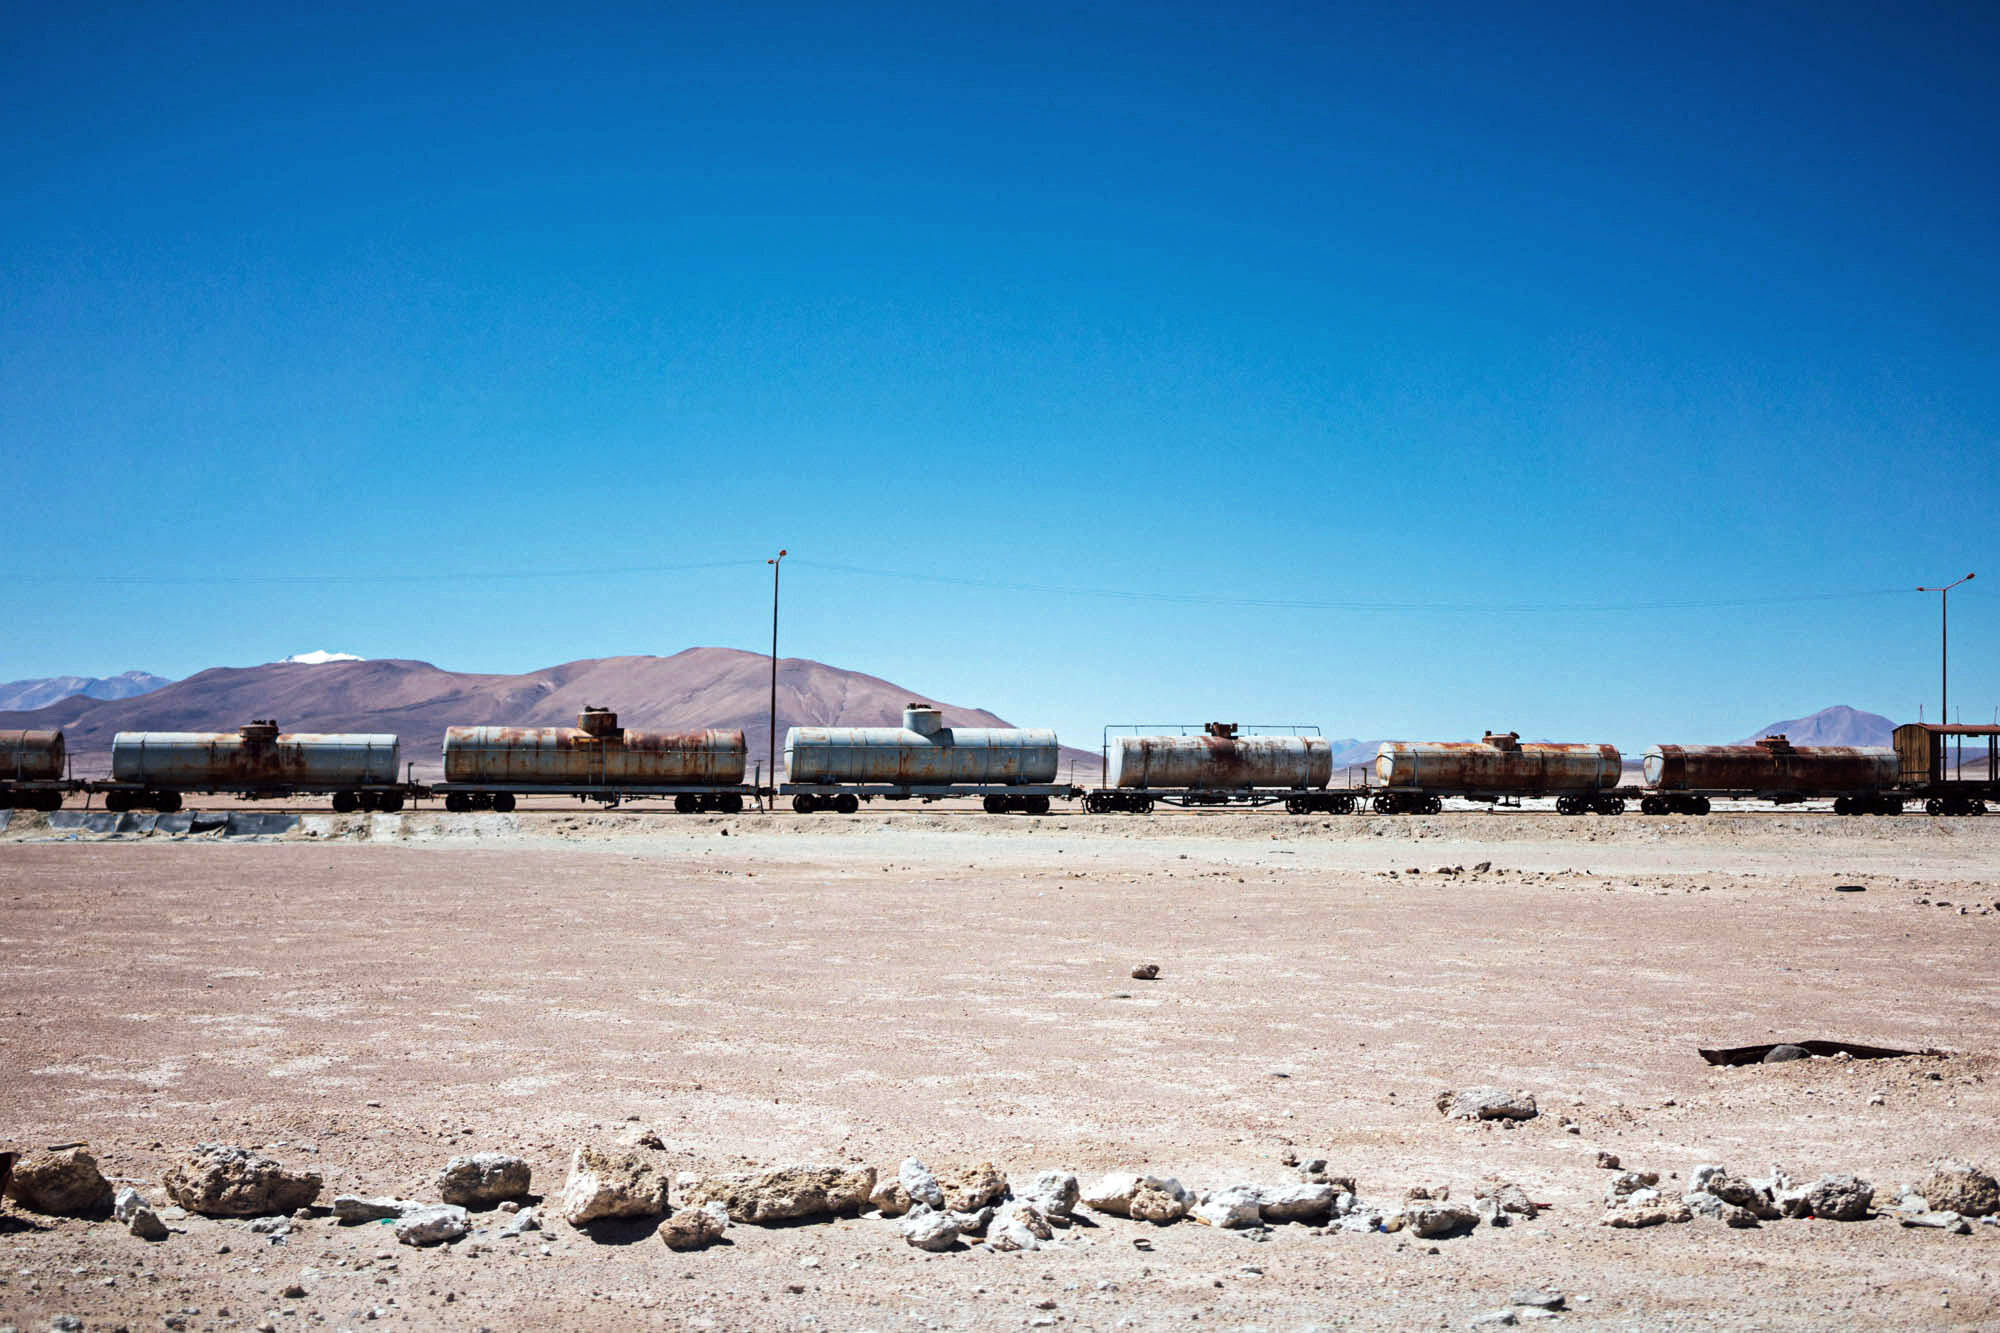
(771, 752)
(1944, 645)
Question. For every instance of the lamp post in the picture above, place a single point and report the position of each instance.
(1944, 645)
(771, 751)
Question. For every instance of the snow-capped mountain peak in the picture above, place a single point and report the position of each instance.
(320, 656)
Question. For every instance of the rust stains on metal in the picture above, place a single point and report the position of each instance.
(598, 752)
(31, 756)
(1772, 765)
(1499, 764)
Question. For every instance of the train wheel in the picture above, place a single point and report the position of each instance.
(1145, 805)
(1384, 803)
(1038, 805)
(1975, 807)
(503, 801)
(1843, 805)
(1652, 805)
(685, 803)
(166, 802)
(457, 802)
(7, 800)
(732, 804)
(1889, 805)
(1565, 806)
(1093, 804)
(995, 805)
(847, 803)
(50, 802)
(804, 804)
(1611, 805)
(1933, 806)
(1433, 805)
(345, 803)
(389, 802)
(1701, 805)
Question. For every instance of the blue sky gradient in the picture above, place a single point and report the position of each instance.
(1597, 373)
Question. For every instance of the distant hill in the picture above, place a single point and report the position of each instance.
(701, 687)
(1839, 725)
(17, 695)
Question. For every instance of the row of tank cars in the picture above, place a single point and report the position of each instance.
(1010, 769)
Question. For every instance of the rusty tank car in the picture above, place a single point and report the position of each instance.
(835, 768)
(1217, 767)
(31, 770)
(360, 771)
(485, 768)
(1415, 777)
(1681, 779)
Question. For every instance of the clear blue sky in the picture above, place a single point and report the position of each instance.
(1498, 340)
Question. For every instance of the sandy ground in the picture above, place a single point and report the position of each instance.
(373, 994)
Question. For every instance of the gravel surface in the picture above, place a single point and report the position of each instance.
(370, 996)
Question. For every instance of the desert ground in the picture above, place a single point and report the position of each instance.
(369, 995)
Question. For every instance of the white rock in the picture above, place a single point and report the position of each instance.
(1055, 1194)
(432, 1224)
(918, 1182)
(1231, 1208)
(353, 1208)
(1019, 1226)
(126, 1204)
(932, 1230)
(1296, 1203)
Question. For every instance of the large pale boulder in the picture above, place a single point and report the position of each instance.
(931, 1230)
(1959, 1187)
(1159, 1199)
(967, 1189)
(785, 1195)
(482, 1179)
(1296, 1203)
(1054, 1194)
(62, 1183)
(1840, 1198)
(432, 1224)
(218, 1180)
(1018, 1225)
(1230, 1208)
(919, 1184)
(607, 1183)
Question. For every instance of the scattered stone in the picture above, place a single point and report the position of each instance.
(1495, 1318)
(1432, 1217)
(351, 1209)
(1156, 1199)
(218, 1180)
(293, 1292)
(1296, 1203)
(1944, 1220)
(481, 1179)
(889, 1197)
(1019, 1226)
(1962, 1188)
(1146, 972)
(432, 1224)
(1780, 1054)
(695, 1228)
(1645, 1208)
(1055, 1195)
(1231, 1208)
(1508, 1197)
(970, 1188)
(606, 1183)
(62, 1182)
(1538, 1300)
(146, 1224)
(1745, 1194)
(1840, 1198)
(1607, 1161)
(1487, 1104)
(919, 1184)
(785, 1195)
(125, 1203)
(527, 1219)
(930, 1229)
(1627, 1183)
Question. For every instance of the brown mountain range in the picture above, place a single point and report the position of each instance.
(701, 687)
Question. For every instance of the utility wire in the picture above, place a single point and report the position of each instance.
(1297, 604)
(487, 575)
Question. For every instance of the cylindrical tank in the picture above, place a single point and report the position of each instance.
(596, 752)
(31, 756)
(255, 756)
(921, 752)
(1218, 762)
(1499, 763)
(1771, 765)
